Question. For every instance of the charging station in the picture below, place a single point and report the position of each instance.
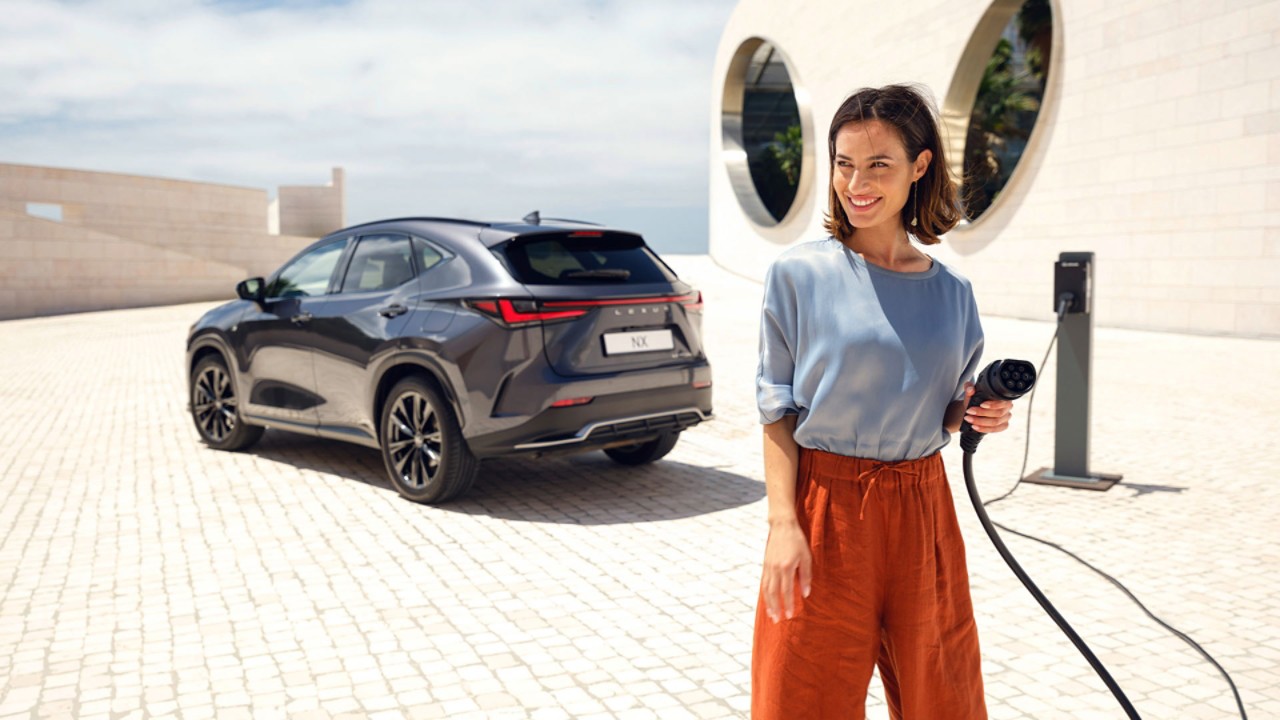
(1073, 286)
(1011, 379)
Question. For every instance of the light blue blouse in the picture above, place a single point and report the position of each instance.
(868, 358)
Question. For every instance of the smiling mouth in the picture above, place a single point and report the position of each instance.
(863, 204)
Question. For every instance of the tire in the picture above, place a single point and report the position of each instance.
(645, 452)
(215, 409)
(427, 459)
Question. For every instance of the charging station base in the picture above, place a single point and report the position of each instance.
(1095, 481)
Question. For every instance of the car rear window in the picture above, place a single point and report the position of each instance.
(584, 258)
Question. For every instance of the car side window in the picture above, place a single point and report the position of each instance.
(308, 275)
(428, 255)
(380, 262)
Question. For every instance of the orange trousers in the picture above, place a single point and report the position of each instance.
(890, 589)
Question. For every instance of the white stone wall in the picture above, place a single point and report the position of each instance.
(49, 268)
(127, 241)
(313, 210)
(1157, 148)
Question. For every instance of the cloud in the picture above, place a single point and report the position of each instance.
(439, 107)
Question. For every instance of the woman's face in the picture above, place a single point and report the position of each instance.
(872, 175)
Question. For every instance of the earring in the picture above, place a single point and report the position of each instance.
(914, 195)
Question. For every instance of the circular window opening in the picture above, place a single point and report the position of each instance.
(763, 134)
(1002, 78)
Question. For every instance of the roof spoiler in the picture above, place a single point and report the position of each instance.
(535, 218)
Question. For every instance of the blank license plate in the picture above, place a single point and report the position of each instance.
(638, 342)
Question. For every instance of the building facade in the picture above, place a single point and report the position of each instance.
(76, 240)
(1155, 145)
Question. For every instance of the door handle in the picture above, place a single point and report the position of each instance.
(301, 318)
(391, 311)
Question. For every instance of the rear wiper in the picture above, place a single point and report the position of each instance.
(597, 274)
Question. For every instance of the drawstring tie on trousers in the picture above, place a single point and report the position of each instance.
(874, 473)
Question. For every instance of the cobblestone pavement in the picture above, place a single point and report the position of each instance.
(145, 575)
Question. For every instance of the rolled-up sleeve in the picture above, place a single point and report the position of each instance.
(778, 327)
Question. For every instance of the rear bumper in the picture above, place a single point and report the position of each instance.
(608, 431)
(620, 418)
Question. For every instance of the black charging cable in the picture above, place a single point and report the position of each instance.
(1120, 586)
(1010, 380)
(1064, 302)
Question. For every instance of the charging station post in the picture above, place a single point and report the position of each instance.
(1072, 285)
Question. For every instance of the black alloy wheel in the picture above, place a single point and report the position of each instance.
(645, 452)
(216, 409)
(427, 459)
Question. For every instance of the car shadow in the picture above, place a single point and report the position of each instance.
(591, 489)
(306, 452)
(582, 489)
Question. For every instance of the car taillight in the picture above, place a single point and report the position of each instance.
(521, 312)
(528, 312)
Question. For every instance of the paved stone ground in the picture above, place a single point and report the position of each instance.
(145, 575)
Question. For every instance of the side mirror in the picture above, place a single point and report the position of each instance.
(251, 289)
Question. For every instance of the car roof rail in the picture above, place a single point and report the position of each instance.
(533, 218)
(416, 218)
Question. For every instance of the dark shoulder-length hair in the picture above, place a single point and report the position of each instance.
(905, 109)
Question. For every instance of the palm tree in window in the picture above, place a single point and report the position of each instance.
(1003, 115)
(777, 170)
(1035, 29)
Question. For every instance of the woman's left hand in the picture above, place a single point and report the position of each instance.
(991, 416)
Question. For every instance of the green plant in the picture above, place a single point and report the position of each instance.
(1035, 29)
(1005, 109)
(775, 169)
(788, 152)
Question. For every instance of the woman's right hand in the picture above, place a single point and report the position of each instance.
(788, 567)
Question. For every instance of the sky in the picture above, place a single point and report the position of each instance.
(590, 109)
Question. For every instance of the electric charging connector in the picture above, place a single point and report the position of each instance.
(1010, 380)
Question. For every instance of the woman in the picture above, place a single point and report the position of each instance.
(867, 345)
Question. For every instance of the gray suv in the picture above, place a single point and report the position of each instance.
(444, 341)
